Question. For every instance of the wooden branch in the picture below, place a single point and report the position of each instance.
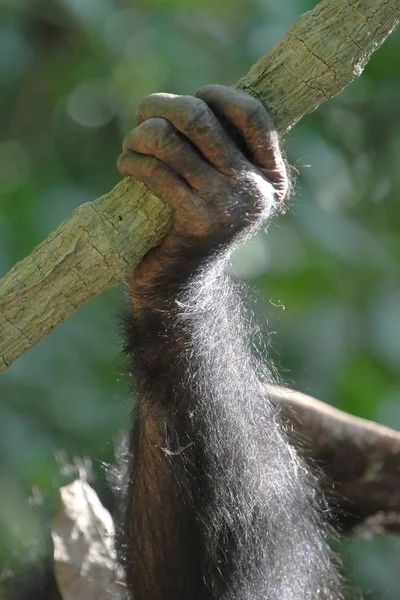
(360, 457)
(96, 246)
(88, 253)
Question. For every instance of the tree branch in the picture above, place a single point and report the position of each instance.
(96, 246)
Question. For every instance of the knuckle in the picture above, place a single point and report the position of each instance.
(193, 113)
(153, 168)
(159, 134)
(256, 113)
(164, 133)
(258, 117)
(122, 164)
(127, 142)
(150, 98)
(143, 104)
(162, 128)
(255, 109)
(209, 90)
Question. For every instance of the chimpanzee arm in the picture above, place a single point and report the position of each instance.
(219, 504)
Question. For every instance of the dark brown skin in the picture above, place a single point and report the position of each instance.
(183, 151)
(218, 506)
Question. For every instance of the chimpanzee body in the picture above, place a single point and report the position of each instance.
(218, 504)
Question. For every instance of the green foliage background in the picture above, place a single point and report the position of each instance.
(327, 274)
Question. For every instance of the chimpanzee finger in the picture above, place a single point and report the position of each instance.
(192, 117)
(255, 127)
(149, 169)
(157, 137)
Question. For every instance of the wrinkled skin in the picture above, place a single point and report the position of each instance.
(215, 187)
(218, 504)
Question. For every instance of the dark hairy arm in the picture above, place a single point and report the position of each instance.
(219, 504)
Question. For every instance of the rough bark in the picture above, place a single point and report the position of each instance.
(94, 248)
(88, 253)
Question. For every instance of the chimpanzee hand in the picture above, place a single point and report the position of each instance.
(184, 148)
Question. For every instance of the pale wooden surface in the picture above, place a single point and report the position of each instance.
(95, 247)
(85, 564)
(88, 253)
